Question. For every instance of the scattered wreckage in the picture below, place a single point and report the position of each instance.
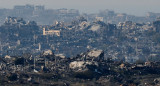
(53, 68)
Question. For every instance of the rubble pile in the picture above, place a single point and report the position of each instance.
(50, 54)
(88, 68)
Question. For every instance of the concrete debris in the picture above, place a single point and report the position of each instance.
(47, 52)
(81, 66)
(7, 57)
(96, 55)
(60, 55)
(95, 28)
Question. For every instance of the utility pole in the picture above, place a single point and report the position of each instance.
(23, 62)
(45, 62)
(1, 48)
(34, 63)
(39, 47)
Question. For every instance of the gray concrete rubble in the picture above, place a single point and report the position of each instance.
(94, 55)
(82, 66)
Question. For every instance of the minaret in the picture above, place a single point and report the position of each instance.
(44, 31)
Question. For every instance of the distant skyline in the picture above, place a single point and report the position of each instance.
(133, 7)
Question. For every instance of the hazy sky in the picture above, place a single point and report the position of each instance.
(136, 7)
